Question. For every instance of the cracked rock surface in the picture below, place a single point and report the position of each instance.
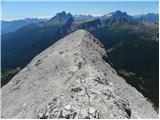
(72, 80)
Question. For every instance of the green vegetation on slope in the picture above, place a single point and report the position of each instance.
(7, 75)
(133, 51)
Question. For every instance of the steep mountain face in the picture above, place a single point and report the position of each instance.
(120, 14)
(61, 18)
(119, 17)
(11, 26)
(72, 79)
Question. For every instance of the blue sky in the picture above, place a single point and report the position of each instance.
(17, 10)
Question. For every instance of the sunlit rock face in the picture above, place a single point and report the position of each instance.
(72, 79)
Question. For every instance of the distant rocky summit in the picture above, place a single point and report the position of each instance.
(72, 79)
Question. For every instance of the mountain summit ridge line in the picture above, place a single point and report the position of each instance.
(72, 79)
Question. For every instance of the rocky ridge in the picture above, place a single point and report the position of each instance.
(72, 79)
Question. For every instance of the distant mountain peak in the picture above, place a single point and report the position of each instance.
(119, 13)
(62, 17)
(62, 14)
(119, 17)
(116, 14)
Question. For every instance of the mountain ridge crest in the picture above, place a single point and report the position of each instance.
(72, 79)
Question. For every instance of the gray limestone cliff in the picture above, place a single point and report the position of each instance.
(72, 79)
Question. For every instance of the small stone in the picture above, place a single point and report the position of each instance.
(24, 105)
(61, 52)
(77, 89)
(68, 107)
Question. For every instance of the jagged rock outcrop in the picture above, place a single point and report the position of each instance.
(72, 79)
(61, 18)
(119, 17)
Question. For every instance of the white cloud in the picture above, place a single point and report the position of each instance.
(39, 17)
(47, 17)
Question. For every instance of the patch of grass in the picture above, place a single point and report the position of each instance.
(7, 75)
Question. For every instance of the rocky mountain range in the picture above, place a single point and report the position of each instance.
(116, 15)
(13, 25)
(150, 17)
(39, 37)
(72, 79)
(131, 44)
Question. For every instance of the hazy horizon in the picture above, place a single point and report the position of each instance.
(48, 9)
